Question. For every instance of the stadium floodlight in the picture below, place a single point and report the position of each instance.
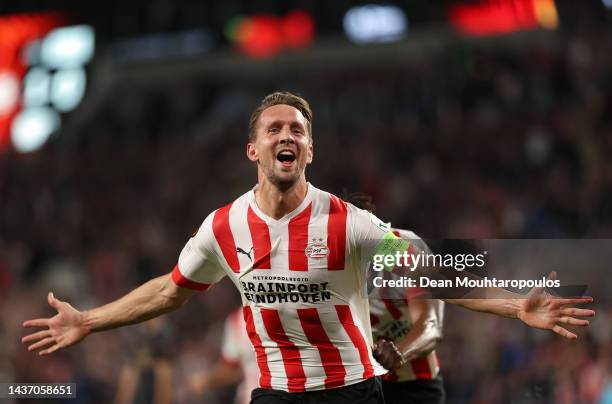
(32, 52)
(375, 23)
(68, 47)
(67, 89)
(32, 127)
(36, 87)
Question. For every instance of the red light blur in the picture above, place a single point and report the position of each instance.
(298, 29)
(263, 36)
(491, 17)
(260, 36)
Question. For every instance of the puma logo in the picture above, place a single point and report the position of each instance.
(248, 254)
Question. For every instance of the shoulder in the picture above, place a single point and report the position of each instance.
(333, 202)
(321, 197)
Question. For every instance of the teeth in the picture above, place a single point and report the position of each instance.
(285, 156)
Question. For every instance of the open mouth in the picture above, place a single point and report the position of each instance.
(286, 157)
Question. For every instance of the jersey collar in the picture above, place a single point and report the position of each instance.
(307, 200)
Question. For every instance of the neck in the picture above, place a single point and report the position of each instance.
(276, 202)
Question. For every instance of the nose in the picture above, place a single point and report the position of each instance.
(286, 136)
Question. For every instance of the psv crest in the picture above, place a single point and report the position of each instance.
(317, 249)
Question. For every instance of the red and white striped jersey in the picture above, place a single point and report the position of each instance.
(236, 350)
(390, 320)
(301, 279)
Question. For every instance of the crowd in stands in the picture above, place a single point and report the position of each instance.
(468, 144)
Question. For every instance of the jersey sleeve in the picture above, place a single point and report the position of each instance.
(198, 267)
(365, 230)
(371, 241)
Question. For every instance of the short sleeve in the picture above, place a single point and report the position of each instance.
(198, 267)
(364, 233)
(373, 239)
(365, 230)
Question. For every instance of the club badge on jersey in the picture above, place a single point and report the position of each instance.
(317, 249)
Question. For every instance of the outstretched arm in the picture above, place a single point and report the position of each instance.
(69, 325)
(539, 309)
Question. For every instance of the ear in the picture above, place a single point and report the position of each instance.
(251, 152)
(309, 153)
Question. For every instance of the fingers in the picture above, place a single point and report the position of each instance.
(564, 333)
(53, 302)
(36, 336)
(57, 344)
(399, 361)
(37, 322)
(387, 354)
(44, 322)
(574, 312)
(567, 303)
(376, 348)
(575, 300)
(42, 343)
(51, 350)
(573, 321)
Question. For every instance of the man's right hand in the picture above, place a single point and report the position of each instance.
(64, 329)
(387, 354)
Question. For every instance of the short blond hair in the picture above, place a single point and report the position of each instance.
(281, 98)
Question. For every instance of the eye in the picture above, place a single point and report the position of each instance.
(273, 130)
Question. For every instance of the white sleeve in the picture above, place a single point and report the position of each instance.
(365, 232)
(198, 267)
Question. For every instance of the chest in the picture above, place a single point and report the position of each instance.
(304, 244)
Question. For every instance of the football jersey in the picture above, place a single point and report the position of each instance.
(301, 279)
(390, 320)
(236, 350)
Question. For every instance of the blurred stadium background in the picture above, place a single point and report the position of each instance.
(122, 124)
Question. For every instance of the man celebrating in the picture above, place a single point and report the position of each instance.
(295, 254)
